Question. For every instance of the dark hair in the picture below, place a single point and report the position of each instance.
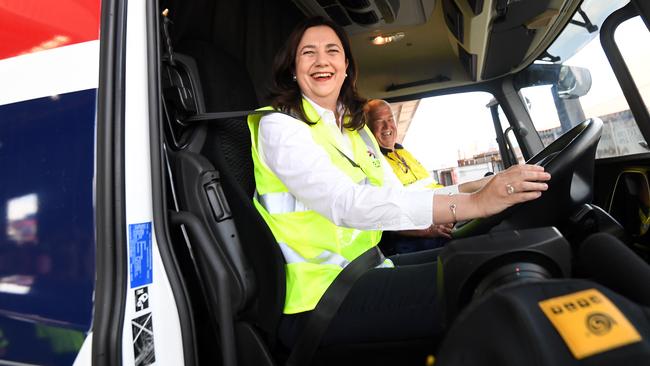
(285, 93)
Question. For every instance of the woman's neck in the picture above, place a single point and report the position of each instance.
(332, 107)
(326, 104)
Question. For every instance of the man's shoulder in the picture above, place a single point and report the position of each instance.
(403, 150)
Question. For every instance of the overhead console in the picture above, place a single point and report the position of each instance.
(512, 28)
(358, 16)
(512, 34)
(461, 16)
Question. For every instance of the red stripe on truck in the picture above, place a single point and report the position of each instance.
(28, 26)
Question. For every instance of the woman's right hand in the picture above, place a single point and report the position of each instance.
(519, 183)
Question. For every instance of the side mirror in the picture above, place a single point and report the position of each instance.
(571, 81)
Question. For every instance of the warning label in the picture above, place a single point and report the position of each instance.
(589, 322)
(141, 299)
(143, 349)
(140, 258)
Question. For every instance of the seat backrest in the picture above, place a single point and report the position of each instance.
(214, 179)
(229, 148)
(225, 83)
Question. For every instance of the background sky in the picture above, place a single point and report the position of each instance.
(447, 128)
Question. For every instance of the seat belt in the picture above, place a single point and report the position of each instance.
(326, 308)
(223, 115)
(320, 318)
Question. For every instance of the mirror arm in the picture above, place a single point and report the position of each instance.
(590, 27)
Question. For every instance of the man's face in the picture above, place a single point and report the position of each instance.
(383, 126)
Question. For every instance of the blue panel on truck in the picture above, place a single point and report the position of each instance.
(47, 245)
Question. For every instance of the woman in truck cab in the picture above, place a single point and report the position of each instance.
(324, 192)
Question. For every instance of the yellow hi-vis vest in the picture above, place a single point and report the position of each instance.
(408, 169)
(314, 248)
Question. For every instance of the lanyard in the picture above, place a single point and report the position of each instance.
(402, 165)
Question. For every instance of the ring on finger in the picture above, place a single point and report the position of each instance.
(510, 188)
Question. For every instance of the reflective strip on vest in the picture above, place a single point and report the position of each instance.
(368, 141)
(280, 203)
(326, 257)
(285, 202)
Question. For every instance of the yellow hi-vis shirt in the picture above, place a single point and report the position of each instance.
(407, 168)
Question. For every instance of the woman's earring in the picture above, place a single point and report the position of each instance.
(346, 74)
(294, 78)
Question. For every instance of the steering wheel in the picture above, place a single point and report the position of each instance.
(570, 161)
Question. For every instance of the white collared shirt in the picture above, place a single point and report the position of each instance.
(286, 146)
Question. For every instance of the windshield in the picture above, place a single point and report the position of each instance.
(584, 86)
(575, 37)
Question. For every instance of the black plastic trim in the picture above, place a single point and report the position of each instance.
(623, 158)
(159, 199)
(110, 233)
(487, 86)
(225, 313)
(468, 60)
(502, 141)
(436, 79)
(476, 6)
(518, 117)
(621, 71)
(643, 6)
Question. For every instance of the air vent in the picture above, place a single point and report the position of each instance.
(454, 19)
(337, 14)
(355, 4)
(368, 18)
(388, 9)
(361, 16)
(370, 14)
(468, 60)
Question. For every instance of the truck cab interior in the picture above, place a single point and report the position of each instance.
(213, 63)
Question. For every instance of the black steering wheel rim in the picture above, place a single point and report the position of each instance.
(569, 159)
